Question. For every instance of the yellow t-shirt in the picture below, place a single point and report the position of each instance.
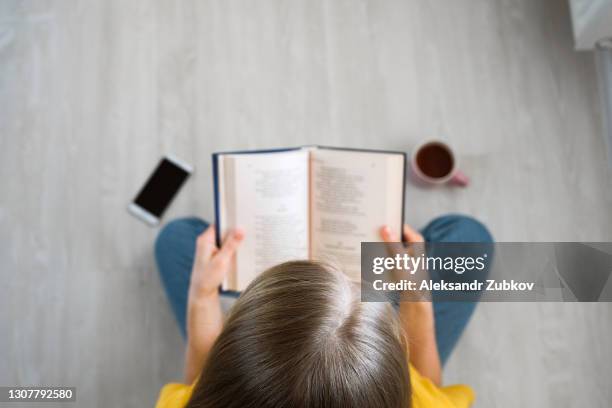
(424, 394)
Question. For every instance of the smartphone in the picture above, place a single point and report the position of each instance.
(159, 190)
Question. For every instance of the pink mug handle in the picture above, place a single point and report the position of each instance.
(460, 179)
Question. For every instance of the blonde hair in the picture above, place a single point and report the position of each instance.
(300, 337)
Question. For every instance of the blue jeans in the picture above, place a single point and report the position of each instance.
(175, 249)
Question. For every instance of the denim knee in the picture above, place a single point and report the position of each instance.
(167, 234)
(174, 232)
(457, 228)
(473, 230)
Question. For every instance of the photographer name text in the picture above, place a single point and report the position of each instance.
(442, 285)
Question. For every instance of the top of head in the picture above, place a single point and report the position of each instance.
(299, 336)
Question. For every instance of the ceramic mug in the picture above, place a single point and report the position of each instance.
(433, 162)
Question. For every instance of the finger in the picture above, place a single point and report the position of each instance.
(229, 247)
(387, 235)
(393, 244)
(411, 234)
(206, 243)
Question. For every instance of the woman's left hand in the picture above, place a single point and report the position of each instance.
(212, 264)
(204, 314)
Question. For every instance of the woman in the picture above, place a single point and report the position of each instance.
(299, 335)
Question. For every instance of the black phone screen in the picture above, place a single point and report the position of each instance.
(161, 187)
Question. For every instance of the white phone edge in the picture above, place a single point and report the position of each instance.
(180, 163)
(143, 214)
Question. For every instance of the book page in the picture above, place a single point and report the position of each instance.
(353, 194)
(265, 194)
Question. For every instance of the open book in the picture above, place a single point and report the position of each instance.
(315, 203)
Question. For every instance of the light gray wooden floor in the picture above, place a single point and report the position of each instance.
(93, 92)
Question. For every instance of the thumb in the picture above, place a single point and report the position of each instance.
(387, 235)
(392, 240)
(229, 247)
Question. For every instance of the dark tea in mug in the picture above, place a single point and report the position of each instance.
(435, 160)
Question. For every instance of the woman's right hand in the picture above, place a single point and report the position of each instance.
(414, 245)
(410, 235)
(417, 317)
